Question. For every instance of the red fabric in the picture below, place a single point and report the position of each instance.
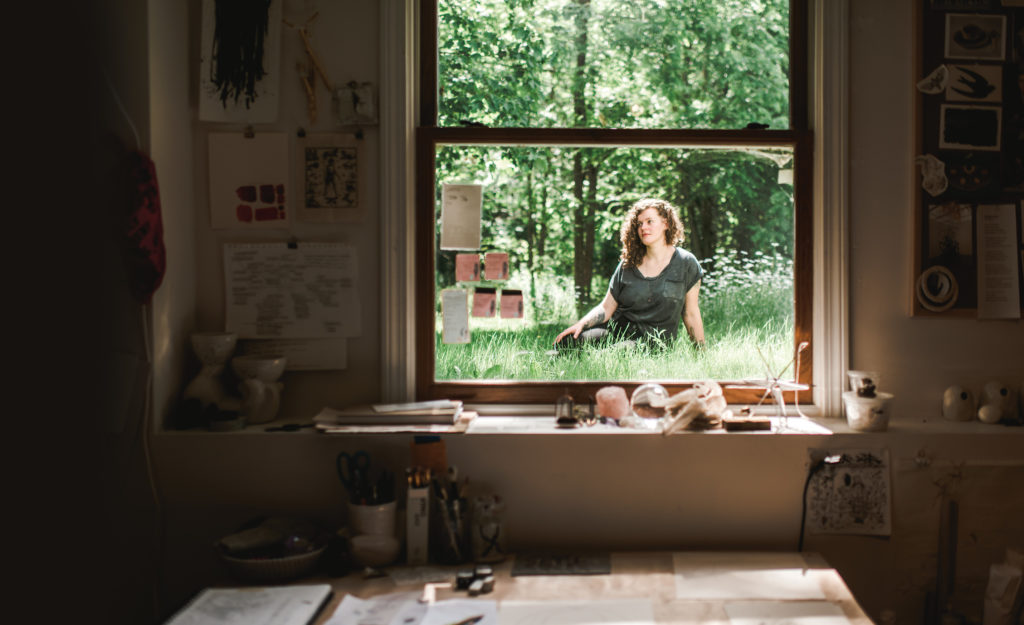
(143, 230)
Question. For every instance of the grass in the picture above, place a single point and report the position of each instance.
(746, 303)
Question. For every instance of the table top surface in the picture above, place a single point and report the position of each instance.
(634, 575)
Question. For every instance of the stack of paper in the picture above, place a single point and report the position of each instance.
(441, 412)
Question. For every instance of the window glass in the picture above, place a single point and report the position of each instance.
(606, 63)
(737, 211)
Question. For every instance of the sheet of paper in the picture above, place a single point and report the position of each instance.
(302, 354)
(379, 610)
(265, 605)
(744, 575)
(998, 286)
(262, 106)
(461, 206)
(454, 610)
(785, 613)
(274, 291)
(852, 495)
(249, 184)
(455, 316)
(605, 612)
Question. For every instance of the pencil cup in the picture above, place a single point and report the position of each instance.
(376, 520)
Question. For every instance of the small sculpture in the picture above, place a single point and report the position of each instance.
(213, 350)
(261, 392)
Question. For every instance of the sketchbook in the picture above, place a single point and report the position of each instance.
(259, 605)
(368, 415)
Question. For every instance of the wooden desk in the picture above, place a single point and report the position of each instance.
(633, 575)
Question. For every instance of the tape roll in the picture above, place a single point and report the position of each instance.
(937, 289)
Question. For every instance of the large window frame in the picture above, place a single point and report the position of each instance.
(428, 136)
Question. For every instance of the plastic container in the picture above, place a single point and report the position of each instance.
(867, 414)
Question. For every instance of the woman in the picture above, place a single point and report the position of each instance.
(654, 284)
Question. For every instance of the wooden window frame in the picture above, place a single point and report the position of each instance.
(429, 136)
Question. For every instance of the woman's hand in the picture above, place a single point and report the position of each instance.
(574, 330)
(600, 313)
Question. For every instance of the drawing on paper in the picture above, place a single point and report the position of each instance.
(851, 496)
(332, 177)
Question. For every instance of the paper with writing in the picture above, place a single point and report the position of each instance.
(454, 316)
(998, 286)
(274, 291)
(461, 206)
(301, 354)
(785, 613)
(735, 575)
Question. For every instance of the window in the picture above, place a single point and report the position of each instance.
(568, 111)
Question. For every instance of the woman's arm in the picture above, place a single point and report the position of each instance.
(691, 315)
(599, 314)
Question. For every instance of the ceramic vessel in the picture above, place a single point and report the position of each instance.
(261, 392)
(213, 350)
(958, 404)
(867, 414)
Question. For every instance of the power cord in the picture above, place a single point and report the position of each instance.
(819, 459)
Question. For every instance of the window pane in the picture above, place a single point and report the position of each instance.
(557, 213)
(716, 64)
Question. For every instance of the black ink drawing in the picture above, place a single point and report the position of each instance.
(332, 179)
(851, 496)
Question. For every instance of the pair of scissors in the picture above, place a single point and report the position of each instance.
(354, 473)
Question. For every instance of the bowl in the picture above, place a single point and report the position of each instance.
(213, 348)
(264, 368)
(867, 414)
(273, 569)
(374, 549)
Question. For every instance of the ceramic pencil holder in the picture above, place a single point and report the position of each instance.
(867, 414)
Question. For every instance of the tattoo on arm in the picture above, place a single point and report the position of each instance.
(593, 317)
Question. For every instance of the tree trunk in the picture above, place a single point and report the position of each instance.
(582, 256)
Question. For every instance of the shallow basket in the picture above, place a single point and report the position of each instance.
(273, 569)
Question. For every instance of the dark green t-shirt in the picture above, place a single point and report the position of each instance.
(649, 305)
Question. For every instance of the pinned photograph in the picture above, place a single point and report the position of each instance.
(975, 83)
(496, 266)
(485, 302)
(970, 127)
(455, 316)
(467, 267)
(975, 36)
(512, 304)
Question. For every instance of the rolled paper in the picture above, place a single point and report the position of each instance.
(612, 402)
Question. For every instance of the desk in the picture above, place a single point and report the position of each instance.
(633, 575)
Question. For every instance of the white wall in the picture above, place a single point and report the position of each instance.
(917, 357)
(615, 491)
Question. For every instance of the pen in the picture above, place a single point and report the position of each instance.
(469, 621)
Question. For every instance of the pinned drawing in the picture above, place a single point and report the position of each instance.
(461, 206)
(851, 494)
(331, 177)
(240, 56)
(975, 83)
(248, 180)
(975, 36)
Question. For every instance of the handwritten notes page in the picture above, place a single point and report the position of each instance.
(461, 206)
(998, 288)
(308, 292)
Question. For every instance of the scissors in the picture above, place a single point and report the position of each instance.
(354, 473)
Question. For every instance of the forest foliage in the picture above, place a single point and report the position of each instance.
(672, 64)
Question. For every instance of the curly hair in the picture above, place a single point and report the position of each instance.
(633, 248)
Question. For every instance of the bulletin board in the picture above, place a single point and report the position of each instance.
(969, 246)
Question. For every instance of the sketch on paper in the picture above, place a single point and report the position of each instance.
(851, 495)
(248, 180)
(330, 170)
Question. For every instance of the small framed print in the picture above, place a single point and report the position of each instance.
(975, 83)
(970, 127)
(975, 36)
(331, 175)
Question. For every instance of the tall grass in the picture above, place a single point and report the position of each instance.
(746, 304)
